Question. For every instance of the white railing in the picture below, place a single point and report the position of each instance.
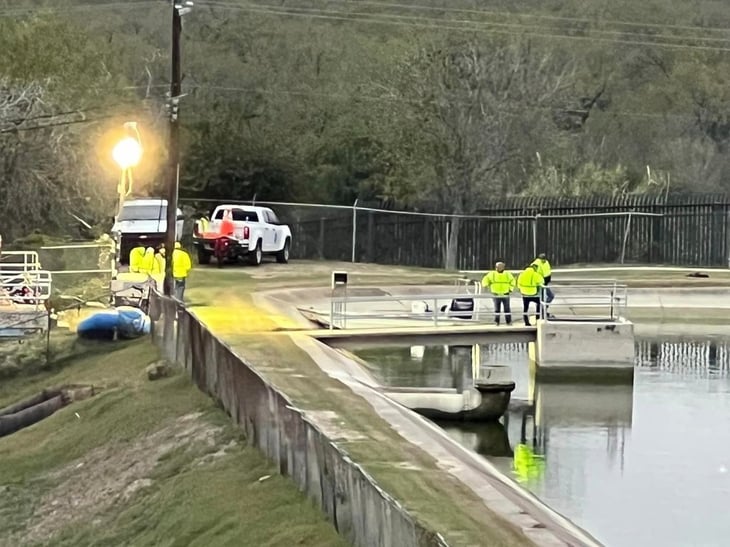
(19, 261)
(22, 281)
(590, 301)
(584, 300)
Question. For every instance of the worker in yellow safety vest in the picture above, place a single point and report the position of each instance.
(501, 283)
(147, 263)
(202, 225)
(529, 282)
(158, 266)
(136, 256)
(181, 266)
(543, 267)
(546, 271)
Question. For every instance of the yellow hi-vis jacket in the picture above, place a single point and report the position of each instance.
(147, 263)
(500, 283)
(136, 256)
(181, 263)
(158, 267)
(543, 267)
(529, 282)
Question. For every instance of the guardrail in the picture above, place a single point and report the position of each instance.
(19, 261)
(21, 279)
(605, 301)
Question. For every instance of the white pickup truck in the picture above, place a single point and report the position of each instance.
(142, 221)
(249, 232)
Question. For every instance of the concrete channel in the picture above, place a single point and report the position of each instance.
(305, 447)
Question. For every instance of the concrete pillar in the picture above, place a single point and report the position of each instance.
(585, 346)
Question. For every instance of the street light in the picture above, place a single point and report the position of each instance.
(127, 153)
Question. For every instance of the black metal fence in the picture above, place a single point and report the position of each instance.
(692, 230)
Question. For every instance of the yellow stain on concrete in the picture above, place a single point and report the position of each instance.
(241, 319)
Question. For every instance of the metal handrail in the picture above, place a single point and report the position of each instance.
(24, 282)
(612, 298)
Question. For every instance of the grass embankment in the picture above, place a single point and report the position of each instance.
(222, 298)
(142, 463)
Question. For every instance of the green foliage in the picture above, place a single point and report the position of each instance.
(433, 108)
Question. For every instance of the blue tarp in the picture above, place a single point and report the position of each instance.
(124, 321)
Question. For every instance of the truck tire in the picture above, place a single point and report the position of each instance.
(204, 256)
(282, 257)
(257, 255)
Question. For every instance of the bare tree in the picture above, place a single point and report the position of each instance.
(470, 108)
(44, 161)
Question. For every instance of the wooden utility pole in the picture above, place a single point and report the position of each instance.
(173, 149)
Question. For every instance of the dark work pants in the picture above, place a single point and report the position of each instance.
(180, 289)
(526, 308)
(501, 304)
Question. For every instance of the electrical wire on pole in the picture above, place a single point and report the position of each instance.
(173, 174)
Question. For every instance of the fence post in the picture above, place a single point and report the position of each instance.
(626, 238)
(534, 234)
(321, 238)
(354, 228)
(371, 237)
(727, 236)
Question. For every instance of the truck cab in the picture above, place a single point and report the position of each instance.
(142, 222)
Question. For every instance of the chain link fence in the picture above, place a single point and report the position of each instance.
(697, 236)
(80, 270)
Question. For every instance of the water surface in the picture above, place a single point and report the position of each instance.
(637, 464)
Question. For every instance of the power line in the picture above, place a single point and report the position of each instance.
(493, 23)
(55, 124)
(438, 24)
(19, 11)
(560, 18)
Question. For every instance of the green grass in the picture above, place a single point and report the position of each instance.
(200, 480)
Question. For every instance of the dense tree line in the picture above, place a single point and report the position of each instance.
(430, 104)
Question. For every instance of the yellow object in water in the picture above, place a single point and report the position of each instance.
(528, 465)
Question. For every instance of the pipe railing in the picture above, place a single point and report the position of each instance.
(21, 279)
(589, 301)
(581, 300)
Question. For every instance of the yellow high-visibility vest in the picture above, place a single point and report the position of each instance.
(181, 263)
(499, 283)
(543, 267)
(136, 256)
(529, 282)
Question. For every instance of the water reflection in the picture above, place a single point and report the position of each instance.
(445, 366)
(637, 464)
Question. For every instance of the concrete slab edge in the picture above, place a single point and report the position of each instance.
(537, 521)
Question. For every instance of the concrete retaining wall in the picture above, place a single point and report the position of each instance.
(584, 344)
(361, 512)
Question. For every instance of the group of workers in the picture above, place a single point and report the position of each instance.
(532, 284)
(147, 261)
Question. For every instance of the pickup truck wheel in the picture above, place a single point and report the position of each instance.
(257, 255)
(282, 257)
(203, 256)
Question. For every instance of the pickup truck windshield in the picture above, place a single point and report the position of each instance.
(143, 212)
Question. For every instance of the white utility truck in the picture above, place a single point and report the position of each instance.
(142, 222)
(243, 232)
